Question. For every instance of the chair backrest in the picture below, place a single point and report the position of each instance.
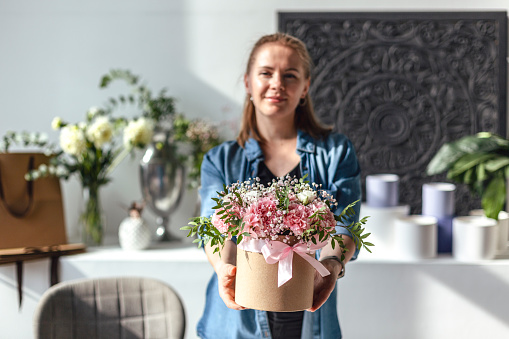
(110, 308)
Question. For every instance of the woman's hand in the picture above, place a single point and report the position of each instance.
(226, 284)
(325, 285)
(226, 271)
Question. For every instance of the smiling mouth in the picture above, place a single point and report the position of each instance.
(275, 99)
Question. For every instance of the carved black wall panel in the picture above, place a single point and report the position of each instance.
(399, 85)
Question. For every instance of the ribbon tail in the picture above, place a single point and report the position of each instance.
(284, 271)
(315, 263)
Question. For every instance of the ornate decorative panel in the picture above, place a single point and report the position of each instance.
(399, 85)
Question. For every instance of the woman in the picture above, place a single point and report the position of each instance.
(279, 135)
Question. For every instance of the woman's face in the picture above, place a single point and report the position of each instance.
(276, 81)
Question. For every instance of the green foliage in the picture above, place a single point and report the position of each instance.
(355, 228)
(197, 134)
(479, 161)
(156, 107)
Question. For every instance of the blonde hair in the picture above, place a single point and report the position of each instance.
(305, 118)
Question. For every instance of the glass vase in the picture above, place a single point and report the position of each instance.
(91, 217)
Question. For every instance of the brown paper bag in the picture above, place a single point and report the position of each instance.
(31, 212)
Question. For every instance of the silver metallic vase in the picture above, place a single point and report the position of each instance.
(162, 179)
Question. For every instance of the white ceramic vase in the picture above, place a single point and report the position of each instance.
(134, 234)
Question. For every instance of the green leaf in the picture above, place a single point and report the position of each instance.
(105, 81)
(481, 172)
(497, 163)
(468, 161)
(449, 153)
(469, 176)
(365, 235)
(494, 197)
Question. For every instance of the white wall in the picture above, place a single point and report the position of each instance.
(54, 52)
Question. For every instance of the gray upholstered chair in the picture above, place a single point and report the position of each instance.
(110, 308)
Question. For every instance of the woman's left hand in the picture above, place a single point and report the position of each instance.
(325, 285)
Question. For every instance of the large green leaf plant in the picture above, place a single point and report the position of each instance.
(481, 162)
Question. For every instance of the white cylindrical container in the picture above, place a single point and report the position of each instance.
(474, 238)
(438, 199)
(415, 237)
(502, 229)
(381, 226)
(382, 190)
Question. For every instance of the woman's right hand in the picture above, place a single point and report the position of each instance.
(226, 284)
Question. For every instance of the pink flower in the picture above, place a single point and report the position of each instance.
(219, 223)
(252, 224)
(297, 218)
(260, 217)
(292, 197)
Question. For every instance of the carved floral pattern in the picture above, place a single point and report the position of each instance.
(400, 87)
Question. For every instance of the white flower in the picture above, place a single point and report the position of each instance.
(56, 123)
(61, 171)
(251, 195)
(43, 169)
(72, 140)
(92, 112)
(305, 197)
(33, 138)
(138, 133)
(100, 132)
(43, 137)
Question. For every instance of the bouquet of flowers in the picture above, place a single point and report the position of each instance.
(285, 217)
(285, 208)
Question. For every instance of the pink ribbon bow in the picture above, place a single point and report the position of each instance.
(277, 251)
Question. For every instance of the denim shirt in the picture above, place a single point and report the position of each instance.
(330, 161)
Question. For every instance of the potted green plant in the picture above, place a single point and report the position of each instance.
(481, 162)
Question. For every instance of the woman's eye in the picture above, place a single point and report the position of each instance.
(265, 74)
(290, 76)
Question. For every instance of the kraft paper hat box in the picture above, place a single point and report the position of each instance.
(31, 212)
(256, 283)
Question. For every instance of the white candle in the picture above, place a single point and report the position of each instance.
(415, 237)
(474, 238)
